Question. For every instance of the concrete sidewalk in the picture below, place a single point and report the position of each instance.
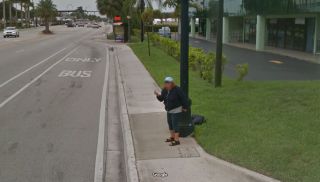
(153, 159)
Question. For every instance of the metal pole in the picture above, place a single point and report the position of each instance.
(142, 7)
(218, 66)
(184, 49)
(186, 126)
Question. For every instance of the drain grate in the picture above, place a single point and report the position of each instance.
(188, 152)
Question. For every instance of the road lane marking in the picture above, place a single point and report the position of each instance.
(32, 67)
(84, 60)
(34, 80)
(75, 74)
(99, 165)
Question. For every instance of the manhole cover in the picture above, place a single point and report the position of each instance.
(276, 62)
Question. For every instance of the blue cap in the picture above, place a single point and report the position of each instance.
(168, 79)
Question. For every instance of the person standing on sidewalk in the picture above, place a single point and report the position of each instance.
(175, 103)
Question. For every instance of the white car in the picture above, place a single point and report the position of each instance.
(10, 32)
(165, 32)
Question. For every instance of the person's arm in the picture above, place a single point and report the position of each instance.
(161, 96)
(183, 99)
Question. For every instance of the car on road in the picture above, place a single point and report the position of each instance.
(95, 25)
(11, 32)
(71, 24)
(80, 24)
(165, 32)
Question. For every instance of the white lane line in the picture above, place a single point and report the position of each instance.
(32, 67)
(99, 165)
(34, 80)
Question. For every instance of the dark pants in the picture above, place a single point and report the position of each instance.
(174, 121)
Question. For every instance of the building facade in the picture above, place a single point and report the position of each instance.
(287, 24)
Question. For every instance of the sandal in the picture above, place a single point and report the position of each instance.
(169, 140)
(174, 143)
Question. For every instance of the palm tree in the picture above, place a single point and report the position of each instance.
(110, 7)
(11, 2)
(27, 4)
(46, 10)
(10, 11)
(4, 12)
(142, 5)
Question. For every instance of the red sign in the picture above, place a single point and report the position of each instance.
(117, 18)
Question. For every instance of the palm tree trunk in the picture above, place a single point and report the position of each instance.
(47, 30)
(16, 8)
(21, 14)
(28, 15)
(10, 12)
(4, 12)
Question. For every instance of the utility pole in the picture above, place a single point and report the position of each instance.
(218, 66)
(186, 125)
(184, 49)
(142, 7)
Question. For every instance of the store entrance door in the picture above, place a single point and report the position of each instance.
(287, 33)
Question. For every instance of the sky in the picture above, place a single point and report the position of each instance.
(73, 4)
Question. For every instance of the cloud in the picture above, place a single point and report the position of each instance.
(73, 4)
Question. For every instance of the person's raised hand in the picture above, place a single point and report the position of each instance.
(156, 93)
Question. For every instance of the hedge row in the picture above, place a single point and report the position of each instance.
(198, 59)
(155, 28)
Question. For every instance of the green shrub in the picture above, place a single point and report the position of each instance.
(134, 39)
(196, 56)
(243, 70)
(136, 32)
(155, 28)
(206, 67)
(198, 59)
(111, 36)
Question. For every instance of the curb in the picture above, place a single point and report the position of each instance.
(129, 154)
(249, 173)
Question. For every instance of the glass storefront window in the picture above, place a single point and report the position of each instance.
(265, 7)
(291, 33)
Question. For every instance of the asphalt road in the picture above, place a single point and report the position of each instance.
(262, 65)
(53, 106)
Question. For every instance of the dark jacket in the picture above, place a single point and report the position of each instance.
(173, 98)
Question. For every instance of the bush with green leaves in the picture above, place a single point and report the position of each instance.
(243, 70)
(196, 56)
(111, 36)
(136, 32)
(199, 60)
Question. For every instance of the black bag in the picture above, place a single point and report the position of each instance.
(198, 120)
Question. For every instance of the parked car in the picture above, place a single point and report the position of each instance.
(80, 24)
(95, 25)
(70, 24)
(165, 32)
(10, 32)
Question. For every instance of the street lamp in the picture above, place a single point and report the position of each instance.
(218, 66)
